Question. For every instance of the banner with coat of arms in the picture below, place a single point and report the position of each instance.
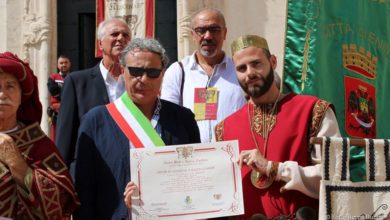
(340, 52)
(139, 15)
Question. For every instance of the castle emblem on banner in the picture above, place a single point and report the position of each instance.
(360, 99)
(359, 61)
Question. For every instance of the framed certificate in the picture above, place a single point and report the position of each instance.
(194, 181)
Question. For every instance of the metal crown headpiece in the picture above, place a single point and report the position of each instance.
(248, 41)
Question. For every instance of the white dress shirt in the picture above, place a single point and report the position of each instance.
(115, 88)
(230, 95)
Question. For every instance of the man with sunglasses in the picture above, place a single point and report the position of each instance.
(139, 118)
(205, 81)
(91, 87)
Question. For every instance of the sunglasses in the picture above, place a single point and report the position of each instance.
(201, 31)
(138, 71)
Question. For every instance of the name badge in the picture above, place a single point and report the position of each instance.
(205, 103)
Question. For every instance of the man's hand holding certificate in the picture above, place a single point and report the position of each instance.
(195, 181)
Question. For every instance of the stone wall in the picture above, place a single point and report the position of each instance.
(30, 31)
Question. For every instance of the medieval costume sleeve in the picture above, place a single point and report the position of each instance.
(307, 179)
(48, 191)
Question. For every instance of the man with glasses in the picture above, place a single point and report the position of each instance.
(91, 87)
(205, 81)
(139, 118)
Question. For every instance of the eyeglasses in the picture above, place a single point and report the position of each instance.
(138, 71)
(201, 31)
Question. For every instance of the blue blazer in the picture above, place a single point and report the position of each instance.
(102, 169)
(82, 91)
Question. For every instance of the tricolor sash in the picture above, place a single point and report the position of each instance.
(133, 123)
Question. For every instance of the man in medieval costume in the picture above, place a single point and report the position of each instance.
(281, 170)
(34, 181)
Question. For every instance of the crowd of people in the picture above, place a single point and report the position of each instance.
(133, 92)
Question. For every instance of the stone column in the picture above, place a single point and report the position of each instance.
(39, 33)
(183, 29)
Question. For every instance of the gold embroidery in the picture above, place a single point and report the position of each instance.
(54, 164)
(306, 48)
(7, 195)
(264, 119)
(319, 110)
(49, 194)
(27, 135)
(46, 183)
(248, 41)
(219, 131)
(264, 128)
(3, 170)
(8, 212)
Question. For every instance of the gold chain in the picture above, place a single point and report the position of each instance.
(259, 180)
(266, 125)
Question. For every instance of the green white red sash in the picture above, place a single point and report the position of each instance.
(133, 123)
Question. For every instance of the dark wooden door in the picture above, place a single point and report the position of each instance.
(76, 32)
(166, 26)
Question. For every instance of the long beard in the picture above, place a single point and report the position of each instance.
(257, 90)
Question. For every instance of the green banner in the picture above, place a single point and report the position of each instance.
(339, 50)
